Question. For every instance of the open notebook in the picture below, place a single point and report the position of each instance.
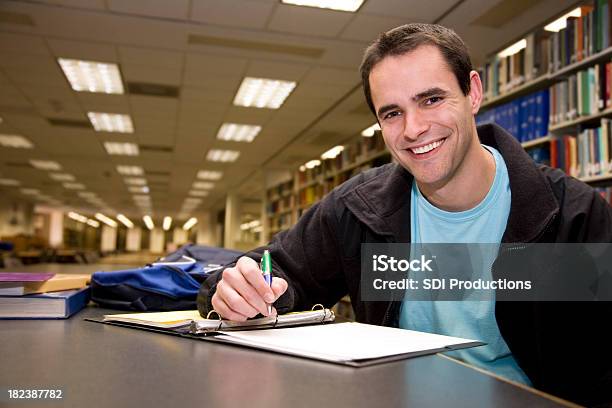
(190, 321)
(306, 334)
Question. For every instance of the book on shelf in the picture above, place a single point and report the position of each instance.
(585, 93)
(56, 282)
(526, 117)
(51, 305)
(586, 154)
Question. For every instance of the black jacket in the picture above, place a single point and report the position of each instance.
(563, 347)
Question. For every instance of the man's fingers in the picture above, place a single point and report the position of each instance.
(234, 300)
(251, 272)
(279, 286)
(237, 281)
(225, 311)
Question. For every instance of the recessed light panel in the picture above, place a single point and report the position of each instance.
(209, 175)
(74, 186)
(45, 165)
(92, 76)
(263, 92)
(15, 141)
(8, 182)
(341, 5)
(118, 148)
(111, 122)
(130, 170)
(61, 177)
(237, 132)
(203, 185)
(218, 155)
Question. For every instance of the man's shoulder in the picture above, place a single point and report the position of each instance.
(368, 177)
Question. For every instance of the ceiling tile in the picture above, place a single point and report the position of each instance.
(175, 9)
(411, 10)
(309, 21)
(83, 50)
(367, 28)
(235, 13)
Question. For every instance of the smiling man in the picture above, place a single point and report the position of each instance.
(452, 183)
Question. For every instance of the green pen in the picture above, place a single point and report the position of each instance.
(266, 270)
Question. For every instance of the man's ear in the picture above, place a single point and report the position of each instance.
(475, 93)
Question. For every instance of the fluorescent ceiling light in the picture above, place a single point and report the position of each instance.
(141, 198)
(190, 223)
(513, 49)
(45, 165)
(332, 153)
(198, 193)
(130, 170)
(111, 122)
(312, 164)
(77, 217)
(15, 141)
(222, 155)
(209, 175)
(136, 181)
(167, 223)
(138, 189)
(561, 23)
(125, 220)
(74, 186)
(203, 185)
(92, 223)
(8, 182)
(369, 132)
(126, 149)
(263, 93)
(87, 194)
(341, 5)
(108, 221)
(189, 200)
(237, 132)
(61, 176)
(30, 191)
(92, 76)
(148, 222)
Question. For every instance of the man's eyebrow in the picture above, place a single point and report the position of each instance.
(386, 108)
(428, 93)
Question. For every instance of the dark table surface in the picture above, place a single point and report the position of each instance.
(99, 365)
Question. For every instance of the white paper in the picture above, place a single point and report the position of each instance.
(343, 341)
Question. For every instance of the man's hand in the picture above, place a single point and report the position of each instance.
(243, 292)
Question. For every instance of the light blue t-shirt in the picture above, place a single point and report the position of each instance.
(484, 224)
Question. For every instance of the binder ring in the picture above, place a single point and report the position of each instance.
(215, 312)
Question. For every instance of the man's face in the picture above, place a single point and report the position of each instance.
(426, 120)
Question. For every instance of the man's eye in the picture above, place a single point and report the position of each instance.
(432, 100)
(391, 115)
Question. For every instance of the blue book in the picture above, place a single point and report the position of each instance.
(50, 305)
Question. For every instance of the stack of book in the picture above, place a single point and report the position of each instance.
(42, 295)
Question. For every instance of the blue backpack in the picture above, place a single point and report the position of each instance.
(172, 283)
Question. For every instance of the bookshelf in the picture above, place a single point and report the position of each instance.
(287, 201)
(570, 71)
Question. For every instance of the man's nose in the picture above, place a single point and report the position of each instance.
(414, 125)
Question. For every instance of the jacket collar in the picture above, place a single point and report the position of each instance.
(383, 202)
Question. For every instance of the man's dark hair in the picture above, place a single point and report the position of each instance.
(408, 37)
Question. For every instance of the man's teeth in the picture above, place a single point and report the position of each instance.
(427, 148)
